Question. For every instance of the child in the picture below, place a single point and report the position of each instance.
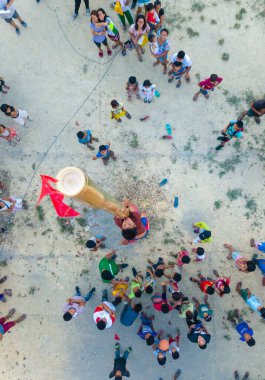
(9, 134)
(203, 309)
(119, 288)
(260, 245)
(117, 111)
(205, 284)
(242, 263)
(233, 129)
(5, 326)
(182, 257)
(204, 232)
(147, 91)
(177, 73)
(206, 85)
(151, 16)
(105, 153)
(146, 330)
(221, 286)
(174, 345)
(136, 284)
(125, 13)
(200, 254)
(174, 279)
(159, 267)
(3, 85)
(149, 281)
(20, 116)
(160, 301)
(95, 242)
(132, 88)
(153, 43)
(86, 138)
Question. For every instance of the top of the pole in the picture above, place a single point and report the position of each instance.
(71, 181)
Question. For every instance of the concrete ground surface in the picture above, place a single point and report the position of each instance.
(55, 73)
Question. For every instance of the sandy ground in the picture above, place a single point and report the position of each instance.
(55, 74)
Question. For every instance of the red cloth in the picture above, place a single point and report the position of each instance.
(136, 218)
(151, 17)
(204, 284)
(208, 85)
(6, 326)
(222, 281)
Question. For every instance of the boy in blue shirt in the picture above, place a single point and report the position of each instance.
(233, 129)
(243, 329)
(86, 138)
(105, 153)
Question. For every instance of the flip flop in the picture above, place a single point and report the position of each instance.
(109, 52)
(11, 313)
(3, 279)
(246, 376)
(177, 374)
(100, 54)
(21, 318)
(236, 375)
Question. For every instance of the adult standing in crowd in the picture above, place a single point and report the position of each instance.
(99, 34)
(163, 50)
(9, 12)
(77, 6)
(138, 32)
(182, 57)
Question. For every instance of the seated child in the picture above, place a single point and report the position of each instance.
(153, 44)
(86, 138)
(149, 281)
(8, 134)
(159, 267)
(160, 301)
(118, 111)
(151, 16)
(177, 72)
(105, 153)
(207, 85)
(205, 284)
(203, 309)
(95, 242)
(204, 231)
(136, 284)
(147, 91)
(132, 88)
(119, 288)
(200, 254)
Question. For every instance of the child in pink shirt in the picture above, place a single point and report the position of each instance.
(207, 85)
(182, 257)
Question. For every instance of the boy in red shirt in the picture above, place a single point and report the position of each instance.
(151, 16)
(207, 85)
(205, 284)
(221, 285)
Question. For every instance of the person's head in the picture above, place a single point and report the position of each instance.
(102, 15)
(177, 65)
(101, 324)
(80, 135)
(137, 292)
(140, 22)
(225, 289)
(103, 149)
(137, 307)
(128, 229)
(91, 244)
(251, 266)
(189, 315)
(176, 296)
(118, 375)
(249, 340)
(165, 308)
(202, 342)
(174, 353)
(185, 260)
(149, 339)
(163, 35)
(213, 78)
(150, 8)
(107, 275)
(114, 104)
(132, 80)
(118, 300)
(159, 272)
(147, 83)
(2, 128)
(200, 251)
(239, 124)
(152, 38)
(94, 16)
(69, 315)
(148, 289)
(262, 312)
(161, 358)
(205, 235)
(207, 317)
(210, 290)
(181, 55)
(157, 5)
(177, 277)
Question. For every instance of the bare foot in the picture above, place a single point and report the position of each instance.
(215, 273)
(21, 318)
(3, 279)
(229, 246)
(246, 376)
(238, 286)
(236, 375)
(10, 313)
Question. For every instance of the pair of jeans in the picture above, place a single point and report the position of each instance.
(77, 5)
(86, 297)
(125, 354)
(105, 298)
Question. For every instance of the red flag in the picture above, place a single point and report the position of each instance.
(61, 208)
(116, 337)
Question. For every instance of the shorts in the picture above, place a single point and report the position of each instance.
(6, 326)
(176, 75)
(250, 113)
(22, 115)
(244, 294)
(235, 255)
(159, 262)
(104, 42)
(204, 92)
(115, 38)
(163, 59)
(142, 3)
(9, 20)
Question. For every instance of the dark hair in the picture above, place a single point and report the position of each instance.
(102, 147)
(136, 22)
(164, 308)
(176, 296)
(106, 275)
(240, 124)
(93, 13)
(149, 289)
(200, 251)
(213, 77)
(137, 307)
(185, 259)
(164, 30)
(251, 266)
(208, 318)
(162, 360)
(157, 2)
(251, 342)
(177, 63)
(132, 80)
(205, 235)
(80, 134)
(138, 293)
(181, 54)
(118, 300)
(177, 277)
(159, 272)
(118, 377)
(67, 316)
(1, 125)
(150, 340)
(226, 289)
(189, 315)
(147, 83)
(129, 233)
(203, 347)
(210, 290)
(4, 107)
(101, 325)
(104, 13)
(114, 103)
(175, 355)
(151, 37)
(91, 244)
(262, 312)
(149, 7)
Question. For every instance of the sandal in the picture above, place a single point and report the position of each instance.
(236, 375)
(123, 52)
(109, 52)
(100, 54)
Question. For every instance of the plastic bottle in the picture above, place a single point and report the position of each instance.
(176, 202)
(157, 93)
(169, 130)
(163, 182)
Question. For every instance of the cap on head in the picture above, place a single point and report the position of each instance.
(205, 235)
